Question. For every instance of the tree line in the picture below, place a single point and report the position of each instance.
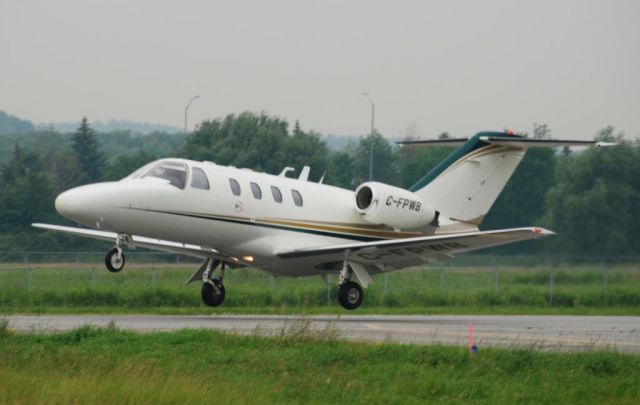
(591, 198)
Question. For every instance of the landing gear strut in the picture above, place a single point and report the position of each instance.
(212, 288)
(350, 294)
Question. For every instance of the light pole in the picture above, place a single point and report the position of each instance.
(373, 118)
(186, 112)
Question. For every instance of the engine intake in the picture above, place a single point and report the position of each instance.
(382, 204)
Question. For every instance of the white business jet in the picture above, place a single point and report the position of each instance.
(233, 218)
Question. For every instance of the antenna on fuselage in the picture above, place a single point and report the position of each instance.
(286, 170)
(304, 174)
(322, 178)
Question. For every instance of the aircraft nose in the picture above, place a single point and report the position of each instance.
(81, 204)
(68, 203)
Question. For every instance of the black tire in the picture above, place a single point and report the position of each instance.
(113, 263)
(350, 295)
(210, 296)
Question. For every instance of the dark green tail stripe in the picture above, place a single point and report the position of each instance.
(474, 143)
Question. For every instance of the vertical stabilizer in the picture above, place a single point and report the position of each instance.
(464, 186)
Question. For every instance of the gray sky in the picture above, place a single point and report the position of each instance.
(457, 66)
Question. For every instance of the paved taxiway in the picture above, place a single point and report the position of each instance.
(621, 333)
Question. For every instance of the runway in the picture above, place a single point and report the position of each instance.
(558, 333)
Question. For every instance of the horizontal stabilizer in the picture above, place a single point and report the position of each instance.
(540, 143)
(508, 140)
(436, 142)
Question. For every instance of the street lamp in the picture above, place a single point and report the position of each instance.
(373, 117)
(186, 112)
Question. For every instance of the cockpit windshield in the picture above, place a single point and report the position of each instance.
(138, 173)
(175, 172)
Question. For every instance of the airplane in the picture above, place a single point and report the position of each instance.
(235, 218)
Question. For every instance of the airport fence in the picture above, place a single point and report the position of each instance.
(157, 279)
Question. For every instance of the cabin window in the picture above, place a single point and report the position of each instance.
(175, 173)
(297, 197)
(235, 186)
(199, 179)
(257, 192)
(277, 195)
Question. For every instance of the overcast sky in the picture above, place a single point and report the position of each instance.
(457, 66)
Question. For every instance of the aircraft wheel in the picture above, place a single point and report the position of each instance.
(350, 295)
(210, 296)
(114, 260)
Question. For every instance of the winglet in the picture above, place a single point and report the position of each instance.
(542, 231)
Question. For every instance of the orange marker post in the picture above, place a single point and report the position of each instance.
(472, 347)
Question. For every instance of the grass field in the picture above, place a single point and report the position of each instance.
(112, 366)
(469, 287)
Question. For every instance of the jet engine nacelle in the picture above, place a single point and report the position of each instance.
(382, 204)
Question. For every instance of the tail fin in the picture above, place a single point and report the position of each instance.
(464, 186)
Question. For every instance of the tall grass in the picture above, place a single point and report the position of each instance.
(110, 366)
(4, 327)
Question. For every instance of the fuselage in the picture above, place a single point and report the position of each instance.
(236, 211)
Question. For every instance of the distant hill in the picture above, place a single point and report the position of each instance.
(10, 124)
(116, 125)
(116, 137)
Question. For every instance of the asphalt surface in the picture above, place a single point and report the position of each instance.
(564, 333)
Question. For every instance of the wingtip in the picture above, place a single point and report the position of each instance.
(543, 232)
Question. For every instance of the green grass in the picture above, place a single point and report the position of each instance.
(112, 366)
(81, 287)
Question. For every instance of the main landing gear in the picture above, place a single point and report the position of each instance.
(350, 294)
(213, 288)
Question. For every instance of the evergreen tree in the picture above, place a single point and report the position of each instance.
(88, 156)
(17, 167)
(27, 194)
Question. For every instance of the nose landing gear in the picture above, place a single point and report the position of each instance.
(114, 260)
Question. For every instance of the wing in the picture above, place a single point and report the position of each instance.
(399, 253)
(149, 243)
